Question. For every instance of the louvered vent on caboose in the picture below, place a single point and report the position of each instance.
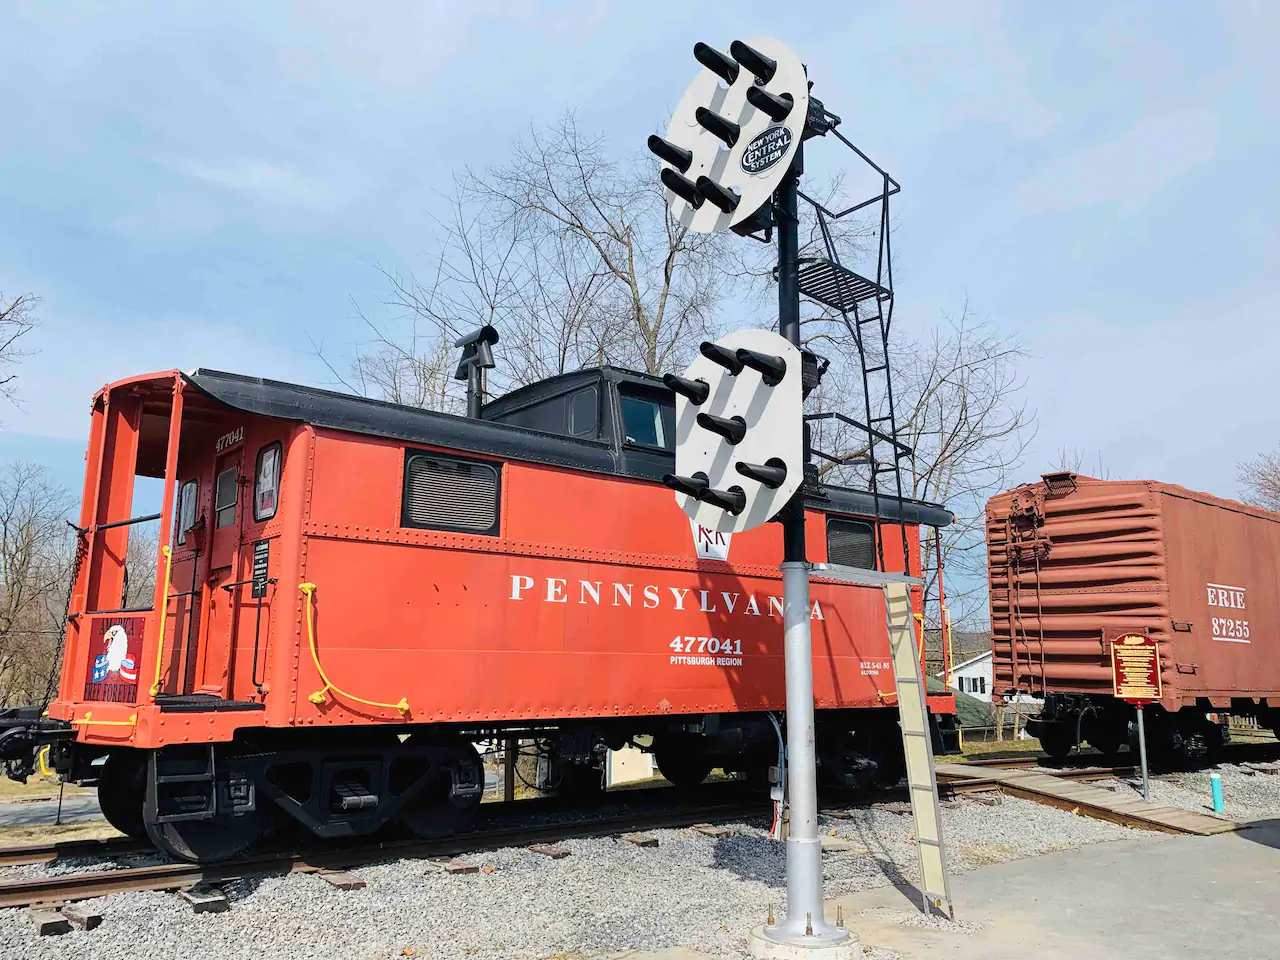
(448, 494)
(851, 543)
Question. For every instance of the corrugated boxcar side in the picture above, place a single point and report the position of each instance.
(1224, 587)
(1073, 564)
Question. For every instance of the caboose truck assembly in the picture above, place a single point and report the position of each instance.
(1077, 564)
(350, 592)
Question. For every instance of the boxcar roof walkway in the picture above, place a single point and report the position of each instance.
(1090, 800)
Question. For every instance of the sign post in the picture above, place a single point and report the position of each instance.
(1135, 678)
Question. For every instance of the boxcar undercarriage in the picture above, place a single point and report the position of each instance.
(1188, 736)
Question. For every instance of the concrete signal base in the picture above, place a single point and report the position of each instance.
(764, 947)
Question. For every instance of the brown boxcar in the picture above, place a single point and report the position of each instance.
(1074, 563)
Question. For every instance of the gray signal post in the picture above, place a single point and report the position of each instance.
(732, 160)
(804, 925)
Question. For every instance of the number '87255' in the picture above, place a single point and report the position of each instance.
(1231, 629)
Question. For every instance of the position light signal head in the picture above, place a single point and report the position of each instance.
(733, 137)
(678, 157)
(718, 354)
(690, 486)
(682, 187)
(725, 199)
(772, 474)
(777, 107)
(732, 500)
(695, 391)
(756, 62)
(732, 429)
(771, 369)
(713, 123)
(724, 67)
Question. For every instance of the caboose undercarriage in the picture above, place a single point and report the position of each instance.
(205, 802)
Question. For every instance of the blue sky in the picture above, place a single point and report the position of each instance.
(216, 184)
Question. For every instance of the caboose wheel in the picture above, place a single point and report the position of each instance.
(681, 760)
(440, 809)
(206, 841)
(122, 786)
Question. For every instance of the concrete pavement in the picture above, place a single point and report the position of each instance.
(1152, 899)
(26, 813)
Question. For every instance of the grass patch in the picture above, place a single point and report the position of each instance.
(36, 786)
(48, 833)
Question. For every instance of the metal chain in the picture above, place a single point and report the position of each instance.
(82, 548)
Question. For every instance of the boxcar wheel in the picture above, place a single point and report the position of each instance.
(1058, 738)
(207, 841)
(122, 787)
(682, 761)
(433, 813)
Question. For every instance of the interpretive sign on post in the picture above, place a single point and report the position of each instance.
(1135, 669)
(1135, 677)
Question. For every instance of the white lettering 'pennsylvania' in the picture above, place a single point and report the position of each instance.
(595, 593)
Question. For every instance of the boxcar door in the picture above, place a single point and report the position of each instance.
(229, 505)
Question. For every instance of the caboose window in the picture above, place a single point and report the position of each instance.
(583, 418)
(448, 493)
(648, 422)
(851, 543)
(266, 482)
(225, 491)
(186, 511)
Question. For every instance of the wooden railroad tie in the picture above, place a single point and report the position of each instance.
(713, 831)
(343, 880)
(457, 867)
(641, 839)
(80, 916)
(206, 899)
(48, 923)
(548, 850)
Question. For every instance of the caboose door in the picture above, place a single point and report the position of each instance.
(224, 554)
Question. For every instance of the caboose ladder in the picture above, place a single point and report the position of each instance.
(913, 714)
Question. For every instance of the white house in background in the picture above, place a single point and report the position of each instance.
(973, 677)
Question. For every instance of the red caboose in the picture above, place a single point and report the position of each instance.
(351, 592)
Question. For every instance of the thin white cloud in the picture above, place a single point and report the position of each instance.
(1127, 170)
(266, 180)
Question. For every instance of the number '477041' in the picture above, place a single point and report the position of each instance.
(705, 645)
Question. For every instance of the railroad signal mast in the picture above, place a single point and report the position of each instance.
(732, 160)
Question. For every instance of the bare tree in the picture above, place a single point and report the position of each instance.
(1260, 480)
(1073, 461)
(16, 321)
(958, 403)
(571, 255)
(36, 553)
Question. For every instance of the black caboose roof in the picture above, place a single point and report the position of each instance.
(343, 411)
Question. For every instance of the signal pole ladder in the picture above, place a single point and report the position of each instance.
(913, 713)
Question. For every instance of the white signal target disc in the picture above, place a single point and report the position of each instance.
(774, 420)
(761, 141)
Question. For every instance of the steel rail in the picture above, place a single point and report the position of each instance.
(176, 876)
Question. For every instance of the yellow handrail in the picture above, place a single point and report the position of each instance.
(88, 718)
(42, 755)
(164, 616)
(319, 696)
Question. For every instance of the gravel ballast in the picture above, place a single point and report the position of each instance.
(1247, 794)
(609, 895)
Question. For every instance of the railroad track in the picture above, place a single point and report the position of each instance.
(178, 876)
